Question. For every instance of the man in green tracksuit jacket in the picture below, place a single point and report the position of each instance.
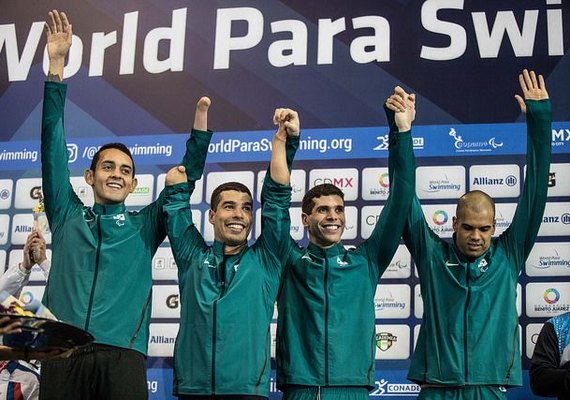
(326, 327)
(468, 345)
(101, 276)
(228, 290)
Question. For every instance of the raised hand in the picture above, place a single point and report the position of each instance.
(34, 250)
(288, 123)
(533, 88)
(58, 34)
(404, 106)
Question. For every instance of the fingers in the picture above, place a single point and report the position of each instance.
(288, 120)
(521, 102)
(201, 114)
(8, 328)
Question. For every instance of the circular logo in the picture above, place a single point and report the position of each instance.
(439, 217)
(384, 180)
(26, 297)
(511, 180)
(551, 295)
(4, 194)
(565, 219)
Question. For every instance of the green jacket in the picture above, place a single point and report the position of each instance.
(226, 302)
(101, 275)
(469, 333)
(326, 327)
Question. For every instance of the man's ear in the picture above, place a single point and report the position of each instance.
(134, 184)
(305, 220)
(211, 214)
(454, 224)
(89, 177)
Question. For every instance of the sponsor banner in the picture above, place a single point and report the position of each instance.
(273, 331)
(164, 265)
(350, 224)
(440, 218)
(556, 220)
(83, 190)
(504, 213)
(195, 197)
(22, 225)
(401, 265)
(392, 301)
(215, 179)
(440, 182)
(6, 193)
(549, 259)
(391, 383)
(2, 261)
(165, 301)
(30, 293)
(532, 332)
(375, 184)
(392, 342)
(418, 303)
(297, 228)
(298, 186)
(416, 335)
(159, 383)
(143, 193)
(558, 179)
(36, 273)
(161, 339)
(316, 144)
(547, 299)
(345, 179)
(369, 216)
(28, 193)
(4, 228)
(496, 180)
(519, 299)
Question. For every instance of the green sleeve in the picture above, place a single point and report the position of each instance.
(417, 234)
(521, 234)
(184, 237)
(59, 198)
(385, 238)
(196, 152)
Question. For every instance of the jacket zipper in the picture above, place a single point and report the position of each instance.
(222, 271)
(465, 325)
(326, 322)
(93, 286)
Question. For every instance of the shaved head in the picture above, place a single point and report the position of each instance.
(476, 201)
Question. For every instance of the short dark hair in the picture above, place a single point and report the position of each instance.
(324, 189)
(118, 146)
(237, 186)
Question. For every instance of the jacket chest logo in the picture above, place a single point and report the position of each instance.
(483, 265)
(119, 219)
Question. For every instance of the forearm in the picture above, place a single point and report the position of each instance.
(278, 165)
(196, 152)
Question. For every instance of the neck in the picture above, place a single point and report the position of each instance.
(230, 250)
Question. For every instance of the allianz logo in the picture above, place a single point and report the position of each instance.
(510, 180)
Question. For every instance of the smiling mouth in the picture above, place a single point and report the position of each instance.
(234, 227)
(114, 185)
(331, 228)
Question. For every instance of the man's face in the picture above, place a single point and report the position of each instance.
(473, 230)
(232, 218)
(326, 221)
(112, 179)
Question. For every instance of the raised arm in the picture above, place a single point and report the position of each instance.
(520, 236)
(60, 198)
(276, 191)
(385, 237)
(416, 233)
(180, 182)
